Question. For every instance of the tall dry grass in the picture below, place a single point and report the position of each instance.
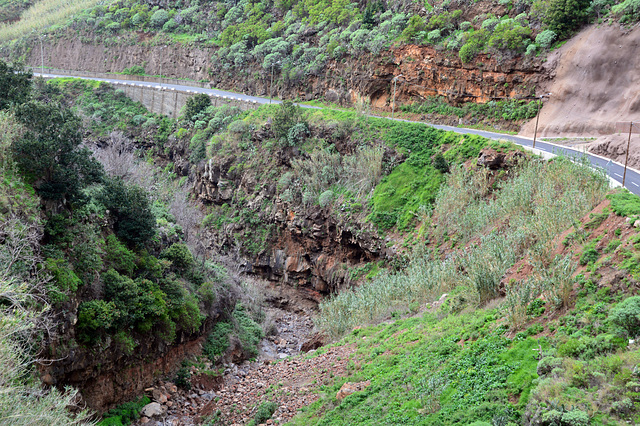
(523, 218)
(43, 15)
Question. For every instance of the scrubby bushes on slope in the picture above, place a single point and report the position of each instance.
(538, 203)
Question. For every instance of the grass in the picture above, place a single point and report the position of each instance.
(448, 368)
(624, 203)
(421, 372)
(42, 15)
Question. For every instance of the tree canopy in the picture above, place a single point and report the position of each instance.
(49, 153)
(15, 85)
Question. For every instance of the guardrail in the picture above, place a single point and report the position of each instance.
(113, 76)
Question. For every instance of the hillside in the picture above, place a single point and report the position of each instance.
(498, 248)
(464, 53)
(317, 266)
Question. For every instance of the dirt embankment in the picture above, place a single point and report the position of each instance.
(594, 82)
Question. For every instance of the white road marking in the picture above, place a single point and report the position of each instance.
(633, 183)
(617, 174)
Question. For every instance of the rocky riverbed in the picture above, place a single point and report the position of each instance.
(287, 371)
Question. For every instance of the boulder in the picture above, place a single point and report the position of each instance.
(350, 387)
(152, 410)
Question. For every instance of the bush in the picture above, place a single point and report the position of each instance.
(474, 44)
(170, 26)
(249, 332)
(134, 70)
(509, 35)
(297, 134)
(629, 9)
(179, 255)
(624, 203)
(566, 16)
(96, 316)
(547, 364)
(218, 341)
(129, 206)
(545, 38)
(589, 254)
(159, 18)
(264, 412)
(287, 116)
(15, 85)
(124, 414)
(414, 27)
(531, 49)
(626, 315)
(119, 257)
(440, 163)
(575, 418)
(195, 105)
(325, 198)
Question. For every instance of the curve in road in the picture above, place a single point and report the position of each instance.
(614, 169)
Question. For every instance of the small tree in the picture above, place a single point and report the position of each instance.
(287, 116)
(440, 163)
(15, 85)
(626, 315)
(195, 105)
(566, 16)
(49, 153)
(129, 206)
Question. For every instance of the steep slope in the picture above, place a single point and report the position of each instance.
(594, 83)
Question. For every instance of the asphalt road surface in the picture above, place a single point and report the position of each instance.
(614, 170)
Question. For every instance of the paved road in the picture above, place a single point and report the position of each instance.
(614, 169)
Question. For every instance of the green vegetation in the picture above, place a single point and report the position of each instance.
(510, 110)
(42, 14)
(24, 306)
(71, 231)
(450, 367)
(264, 412)
(538, 206)
(624, 203)
(124, 414)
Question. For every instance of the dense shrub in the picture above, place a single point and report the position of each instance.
(95, 317)
(218, 341)
(159, 18)
(566, 16)
(15, 85)
(545, 38)
(118, 256)
(179, 255)
(626, 315)
(628, 9)
(509, 35)
(195, 105)
(264, 412)
(50, 154)
(287, 116)
(129, 206)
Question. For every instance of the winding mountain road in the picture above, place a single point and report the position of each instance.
(614, 169)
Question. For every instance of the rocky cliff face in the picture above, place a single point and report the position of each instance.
(425, 72)
(309, 248)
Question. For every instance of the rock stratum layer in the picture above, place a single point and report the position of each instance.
(425, 72)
